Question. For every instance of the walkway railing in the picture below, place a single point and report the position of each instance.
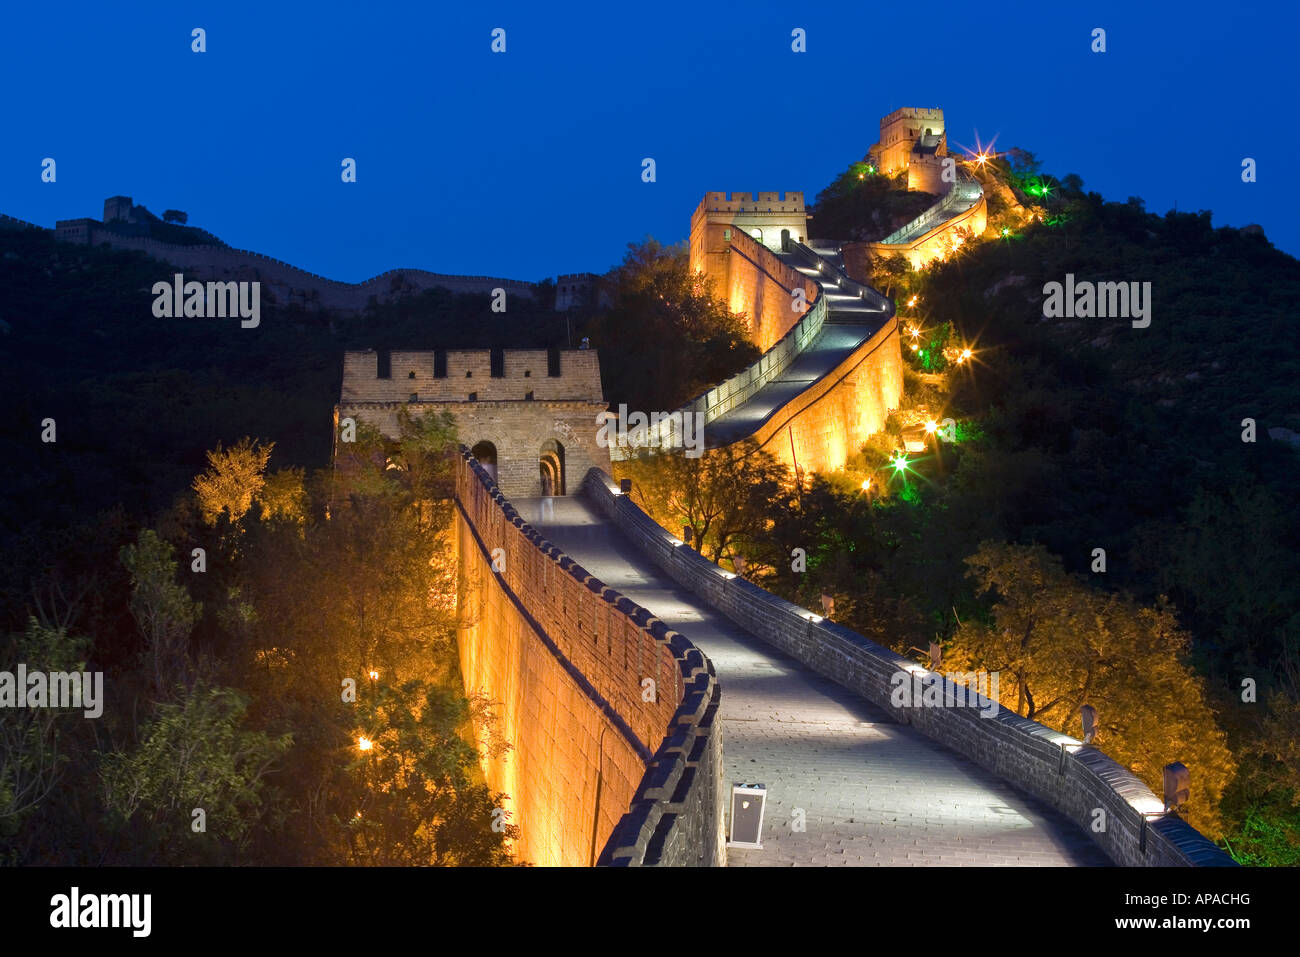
(963, 195)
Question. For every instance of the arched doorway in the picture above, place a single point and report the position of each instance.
(757, 233)
(785, 240)
(550, 464)
(486, 453)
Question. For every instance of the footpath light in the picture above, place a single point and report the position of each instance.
(364, 743)
(374, 675)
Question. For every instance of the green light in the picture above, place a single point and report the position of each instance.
(900, 463)
(1005, 230)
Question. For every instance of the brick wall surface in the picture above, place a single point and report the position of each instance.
(565, 656)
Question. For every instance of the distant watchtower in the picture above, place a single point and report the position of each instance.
(914, 139)
(118, 208)
(528, 415)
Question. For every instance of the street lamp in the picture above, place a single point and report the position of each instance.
(364, 743)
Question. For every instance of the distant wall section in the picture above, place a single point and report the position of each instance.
(742, 267)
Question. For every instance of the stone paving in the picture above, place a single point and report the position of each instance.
(870, 791)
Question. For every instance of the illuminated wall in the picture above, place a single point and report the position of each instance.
(566, 658)
(899, 131)
(742, 268)
(827, 423)
(937, 243)
(519, 411)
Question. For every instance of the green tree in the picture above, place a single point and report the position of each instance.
(194, 754)
(728, 496)
(161, 607)
(665, 336)
(1060, 644)
(32, 742)
(409, 797)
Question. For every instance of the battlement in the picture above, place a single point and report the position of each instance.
(788, 202)
(912, 113)
(460, 376)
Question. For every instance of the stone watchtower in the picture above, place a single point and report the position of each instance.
(913, 139)
(530, 416)
(118, 208)
(766, 219)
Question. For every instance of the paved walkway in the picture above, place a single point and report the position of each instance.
(849, 322)
(871, 792)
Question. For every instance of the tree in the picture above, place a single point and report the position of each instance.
(890, 274)
(195, 755)
(162, 608)
(283, 497)
(1064, 644)
(175, 216)
(729, 496)
(31, 742)
(234, 478)
(409, 798)
(665, 337)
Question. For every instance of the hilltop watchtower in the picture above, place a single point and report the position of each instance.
(914, 139)
(528, 415)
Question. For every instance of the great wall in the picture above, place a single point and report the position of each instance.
(621, 658)
(592, 602)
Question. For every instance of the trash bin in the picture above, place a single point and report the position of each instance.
(747, 801)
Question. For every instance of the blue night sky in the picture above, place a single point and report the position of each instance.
(528, 164)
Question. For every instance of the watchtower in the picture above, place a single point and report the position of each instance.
(528, 415)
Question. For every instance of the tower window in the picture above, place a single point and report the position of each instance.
(385, 369)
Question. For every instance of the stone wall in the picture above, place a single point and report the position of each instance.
(936, 243)
(899, 131)
(561, 414)
(523, 371)
(821, 427)
(566, 658)
(1075, 779)
(744, 271)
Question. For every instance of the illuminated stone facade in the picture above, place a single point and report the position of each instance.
(537, 414)
(732, 241)
(908, 132)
